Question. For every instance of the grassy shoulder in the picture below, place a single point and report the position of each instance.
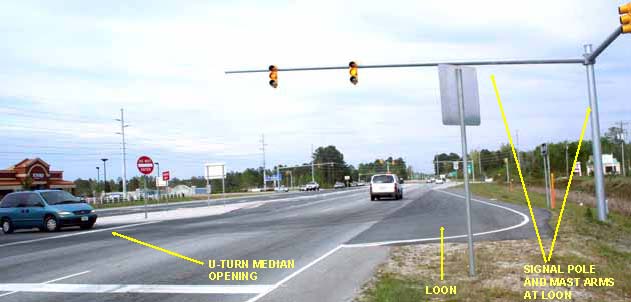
(500, 276)
(171, 200)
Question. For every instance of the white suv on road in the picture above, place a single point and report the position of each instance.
(385, 185)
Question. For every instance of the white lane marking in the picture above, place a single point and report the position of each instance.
(76, 234)
(135, 288)
(525, 220)
(15, 289)
(294, 274)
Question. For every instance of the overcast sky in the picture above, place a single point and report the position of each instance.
(67, 67)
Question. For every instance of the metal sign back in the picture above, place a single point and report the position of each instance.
(449, 95)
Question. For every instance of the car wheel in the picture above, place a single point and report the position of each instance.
(51, 224)
(87, 226)
(7, 226)
(372, 198)
(378, 198)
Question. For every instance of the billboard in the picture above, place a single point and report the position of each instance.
(215, 171)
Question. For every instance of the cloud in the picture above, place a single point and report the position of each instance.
(165, 65)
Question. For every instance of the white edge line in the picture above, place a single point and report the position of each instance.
(525, 221)
(65, 277)
(78, 233)
(40, 284)
(136, 288)
(294, 274)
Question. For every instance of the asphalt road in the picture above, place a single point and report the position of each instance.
(335, 240)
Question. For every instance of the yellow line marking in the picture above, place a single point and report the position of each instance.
(569, 182)
(442, 253)
(523, 185)
(134, 240)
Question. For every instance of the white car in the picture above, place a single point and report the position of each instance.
(281, 189)
(385, 185)
(439, 181)
(311, 186)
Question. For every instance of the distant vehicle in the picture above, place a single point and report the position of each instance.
(385, 185)
(44, 209)
(339, 185)
(361, 184)
(310, 186)
(440, 181)
(281, 189)
(429, 180)
(354, 184)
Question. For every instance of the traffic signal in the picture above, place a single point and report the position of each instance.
(625, 19)
(353, 71)
(273, 76)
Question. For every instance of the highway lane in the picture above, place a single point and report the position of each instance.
(299, 229)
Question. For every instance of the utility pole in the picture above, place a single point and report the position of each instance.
(480, 166)
(263, 149)
(312, 162)
(567, 163)
(104, 174)
(122, 133)
(507, 172)
(518, 150)
(624, 168)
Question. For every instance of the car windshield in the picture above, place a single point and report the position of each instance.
(383, 179)
(59, 197)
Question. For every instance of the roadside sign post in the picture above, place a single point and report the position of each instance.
(461, 81)
(145, 166)
(166, 176)
(546, 173)
(216, 171)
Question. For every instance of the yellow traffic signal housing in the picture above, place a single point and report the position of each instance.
(625, 19)
(273, 76)
(353, 72)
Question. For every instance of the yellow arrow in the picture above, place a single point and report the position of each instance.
(134, 240)
(523, 185)
(442, 253)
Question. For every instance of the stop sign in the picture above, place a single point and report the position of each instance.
(145, 165)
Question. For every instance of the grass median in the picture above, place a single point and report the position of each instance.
(172, 200)
(581, 240)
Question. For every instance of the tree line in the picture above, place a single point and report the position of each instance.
(329, 168)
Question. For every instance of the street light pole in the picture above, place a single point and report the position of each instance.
(98, 177)
(312, 167)
(158, 181)
(263, 149)
(104, 174)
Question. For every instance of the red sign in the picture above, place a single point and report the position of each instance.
(166, 176)
(145, 165)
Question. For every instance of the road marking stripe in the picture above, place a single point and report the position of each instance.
(15, 290)
(294, 274)
(525, 220)
(135, 288)
(76, 234)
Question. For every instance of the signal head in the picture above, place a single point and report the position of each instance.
(353, 72)
(273, 76)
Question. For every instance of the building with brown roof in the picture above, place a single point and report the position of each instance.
(32, 174)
